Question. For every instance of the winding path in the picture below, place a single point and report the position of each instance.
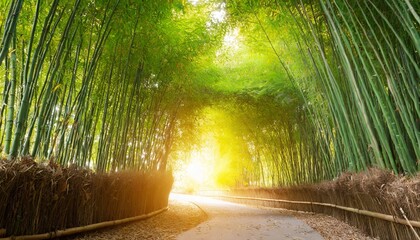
(230, 221)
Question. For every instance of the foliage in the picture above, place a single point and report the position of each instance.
(103, 90)
(298, 91)
(322, 87)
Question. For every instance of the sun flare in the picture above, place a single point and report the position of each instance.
(196, 171)
(199, 167)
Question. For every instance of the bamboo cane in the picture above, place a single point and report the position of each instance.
(10, 28)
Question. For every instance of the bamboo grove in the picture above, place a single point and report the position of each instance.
(364, 60)
(341, 92)
(311, 88)
(93, 83)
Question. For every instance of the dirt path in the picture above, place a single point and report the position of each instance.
(253, 223)
(230, 221)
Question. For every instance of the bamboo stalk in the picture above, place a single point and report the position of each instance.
(11, 102)
(76, 230)
(10, 28)
(381, 216)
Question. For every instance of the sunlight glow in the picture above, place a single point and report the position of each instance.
(198, 170)
(231, 39)
(219, 16)
(231, 43)
(194, 2)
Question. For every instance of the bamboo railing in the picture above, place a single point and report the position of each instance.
(91, 227)
(386, 217)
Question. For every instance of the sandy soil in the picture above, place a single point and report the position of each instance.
(329, 227)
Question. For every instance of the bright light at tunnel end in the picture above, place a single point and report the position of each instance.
(197, 171)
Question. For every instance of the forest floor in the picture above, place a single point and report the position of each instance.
(185, 214)
(330, 227)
